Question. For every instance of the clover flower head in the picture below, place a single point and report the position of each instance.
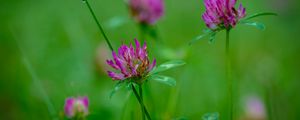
(222, 14)
(146, 11)
(76, 107)
(130, 62)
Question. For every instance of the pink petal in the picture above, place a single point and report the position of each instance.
(69, 107)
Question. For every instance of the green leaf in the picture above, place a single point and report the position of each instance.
(260, 14)
(207, 30)
(206, 33)
(164, 79)
(117, 87)
(212, 37)
(258, 25)
(167, 65)
(128, 86)
(211, 116)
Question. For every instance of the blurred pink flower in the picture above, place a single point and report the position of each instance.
(146, 11)
(222, 14)
(76, 106)
(255, 109)
(102, 54)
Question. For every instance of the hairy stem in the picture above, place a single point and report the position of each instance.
(228, 75)
(142, 28)
(141, 102)
(141, 96)
(98, 24)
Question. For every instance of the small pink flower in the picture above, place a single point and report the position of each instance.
(130, 62)
(76, 106)
(222, 14)
(146, 11)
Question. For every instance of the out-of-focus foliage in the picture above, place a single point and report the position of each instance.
(52, 49)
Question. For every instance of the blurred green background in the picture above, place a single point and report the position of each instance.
(52, 49)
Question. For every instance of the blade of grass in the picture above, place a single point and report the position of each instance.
(36, 81)
(98, 24)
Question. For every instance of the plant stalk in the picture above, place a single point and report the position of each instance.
(228, 75)
(141, 96)
(143, 32)
(98, 24)
(141, 102)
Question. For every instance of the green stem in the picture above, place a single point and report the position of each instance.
(158, 36)
(141, 96)
(142, 32)
(140, 101)
(98, 24)
(228, 75)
